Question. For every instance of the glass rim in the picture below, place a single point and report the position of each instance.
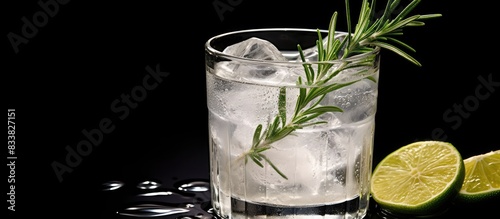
(213, 51)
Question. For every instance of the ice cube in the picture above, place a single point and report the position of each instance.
(255, 48)
(353, 74)
(358, 101)
(263, 72)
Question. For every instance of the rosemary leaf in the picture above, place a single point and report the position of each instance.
(369, 33)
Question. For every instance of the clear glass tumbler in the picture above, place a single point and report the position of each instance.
(289, 136)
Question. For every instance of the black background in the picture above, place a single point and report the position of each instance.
(66, 77)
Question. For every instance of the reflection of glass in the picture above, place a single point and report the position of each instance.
(326, 167)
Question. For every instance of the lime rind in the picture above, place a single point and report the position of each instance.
(482, 179)
(493, 194)
(411, 154)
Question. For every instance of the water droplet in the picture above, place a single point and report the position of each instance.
(195, 186)
(156, 193)
(164, 196)
(187, 217)
(211, 211)
(151, 210)
(198, 216)
(148, 185)
(112, 185)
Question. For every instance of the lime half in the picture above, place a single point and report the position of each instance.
(419, 178)
(482, 178)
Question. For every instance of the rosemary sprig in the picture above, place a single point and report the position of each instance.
(368, 34)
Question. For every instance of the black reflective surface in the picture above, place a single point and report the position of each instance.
(172, 201)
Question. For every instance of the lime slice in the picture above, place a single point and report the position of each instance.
(482, 178)
(419, 178)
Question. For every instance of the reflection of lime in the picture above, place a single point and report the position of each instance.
(418, 178)
(482, 178)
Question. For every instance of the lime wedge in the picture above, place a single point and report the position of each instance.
(419, 178)
(482, 178)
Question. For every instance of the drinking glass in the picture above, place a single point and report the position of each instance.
(283, 143)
